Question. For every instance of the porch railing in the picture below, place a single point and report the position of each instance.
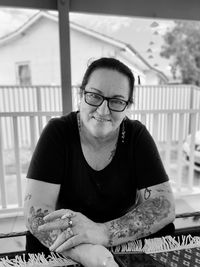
(20, 130)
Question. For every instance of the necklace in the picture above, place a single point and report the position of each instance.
(79, 121)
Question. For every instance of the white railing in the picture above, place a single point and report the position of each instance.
(12, 181)
(172, 150)
(14, 162)
(20, 130)
(48, 98)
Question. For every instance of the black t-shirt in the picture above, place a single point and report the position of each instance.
(101, 195)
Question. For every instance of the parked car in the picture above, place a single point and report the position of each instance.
(186, 150)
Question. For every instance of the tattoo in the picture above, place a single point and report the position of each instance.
(140, 221)
(112, 153)
(163, 190)
(27, 197)
(35, 220)
(147, 193)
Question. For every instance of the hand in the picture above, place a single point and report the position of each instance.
(76, 229)
(90, 255)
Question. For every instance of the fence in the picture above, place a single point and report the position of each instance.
(169, 112)
(48, 98)
(174, 98)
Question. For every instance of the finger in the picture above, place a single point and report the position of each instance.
(54, 215)
(58, 224)
(65, 235)
(68, 214)
(110, 262)
(58, 214)
(70, 243)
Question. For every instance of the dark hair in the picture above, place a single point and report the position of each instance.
(113, 64)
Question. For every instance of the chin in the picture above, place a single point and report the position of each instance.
(100, 134)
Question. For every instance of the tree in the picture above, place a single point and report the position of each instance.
(182, 45)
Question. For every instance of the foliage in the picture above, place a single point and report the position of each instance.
(182, 45)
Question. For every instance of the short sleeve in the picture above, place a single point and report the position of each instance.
(149, 167)
(48, 160)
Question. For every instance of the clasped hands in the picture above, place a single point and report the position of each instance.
(75, 228)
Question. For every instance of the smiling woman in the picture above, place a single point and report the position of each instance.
(103, 178)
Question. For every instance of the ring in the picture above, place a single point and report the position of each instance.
(69, 231)
(70, 223)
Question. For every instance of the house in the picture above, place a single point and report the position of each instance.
(30, 55)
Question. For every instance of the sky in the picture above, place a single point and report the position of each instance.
(11, 19)
(145, 35)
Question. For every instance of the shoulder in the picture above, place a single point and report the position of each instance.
(64, 120)
(134, 123)
(135, 127)
(138, 134)
(59, 128)
(61, 124)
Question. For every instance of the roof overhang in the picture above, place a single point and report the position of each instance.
(168, 9)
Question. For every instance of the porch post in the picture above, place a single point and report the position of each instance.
(65, 63)
(191, 107)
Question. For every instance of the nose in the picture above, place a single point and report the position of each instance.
(103, 108)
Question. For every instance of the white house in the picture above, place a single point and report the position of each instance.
(30, 55)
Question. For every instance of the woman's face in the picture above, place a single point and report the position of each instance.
(101, 121)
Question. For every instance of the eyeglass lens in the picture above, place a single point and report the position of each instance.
(113, 103)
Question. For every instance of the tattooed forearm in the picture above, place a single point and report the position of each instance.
(35, 219)
(140, 222)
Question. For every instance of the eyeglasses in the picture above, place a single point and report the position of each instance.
(114, 104)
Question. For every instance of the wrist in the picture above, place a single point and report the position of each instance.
(74, 253)
(106, 234)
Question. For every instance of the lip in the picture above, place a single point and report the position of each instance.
(99, 119)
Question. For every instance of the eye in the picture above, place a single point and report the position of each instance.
(94, 96)
(117, 101)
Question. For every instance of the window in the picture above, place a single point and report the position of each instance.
(23, 74)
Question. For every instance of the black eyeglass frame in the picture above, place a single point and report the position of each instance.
(107, 99)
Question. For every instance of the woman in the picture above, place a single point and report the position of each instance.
(96, 173)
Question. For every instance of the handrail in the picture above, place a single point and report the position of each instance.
(12, 234)
(188, 214)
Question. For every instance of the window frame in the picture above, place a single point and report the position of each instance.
(17, 75)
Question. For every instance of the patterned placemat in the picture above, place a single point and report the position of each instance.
(136, 260)
(179, 258)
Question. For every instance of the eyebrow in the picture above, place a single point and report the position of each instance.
(100, 92)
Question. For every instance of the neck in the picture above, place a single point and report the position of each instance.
(99, 142)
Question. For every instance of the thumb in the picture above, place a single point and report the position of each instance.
(110, 262)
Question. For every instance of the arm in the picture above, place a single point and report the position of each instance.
(156, 210)
(37, 204)
(91, 256)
